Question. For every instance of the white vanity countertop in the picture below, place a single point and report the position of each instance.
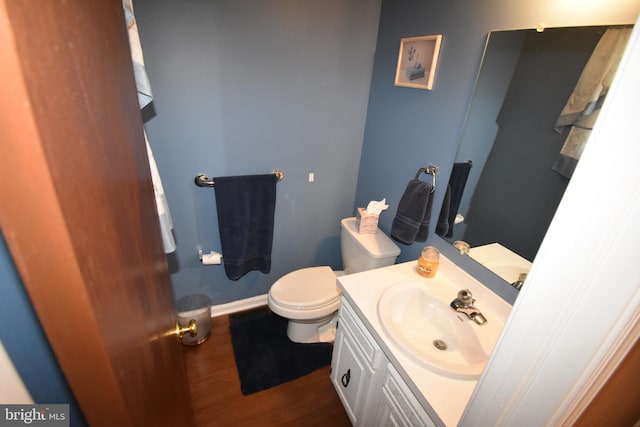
(443, 398)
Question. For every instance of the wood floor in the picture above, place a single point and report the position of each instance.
(217, 400)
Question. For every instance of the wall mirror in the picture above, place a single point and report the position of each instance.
(512, 138)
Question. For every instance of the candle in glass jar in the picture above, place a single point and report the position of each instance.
(428, 262)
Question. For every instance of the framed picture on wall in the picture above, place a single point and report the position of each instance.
(417, 61)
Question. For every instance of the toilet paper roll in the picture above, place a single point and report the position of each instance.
(212, 258)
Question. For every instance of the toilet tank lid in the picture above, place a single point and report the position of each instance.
(379, 245)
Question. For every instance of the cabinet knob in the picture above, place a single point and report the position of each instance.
(346, 378)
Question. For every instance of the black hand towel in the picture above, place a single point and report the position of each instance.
(246, 207)
(443, 220)
(412, 212)
(457, 181)
(423, 230)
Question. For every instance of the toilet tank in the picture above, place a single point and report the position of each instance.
(361, 252)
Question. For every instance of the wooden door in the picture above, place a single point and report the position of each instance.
(616, 402)
(78, 214)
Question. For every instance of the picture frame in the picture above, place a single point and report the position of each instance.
(417, 61)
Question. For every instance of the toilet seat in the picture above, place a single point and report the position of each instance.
(306, 289)
(309, 298)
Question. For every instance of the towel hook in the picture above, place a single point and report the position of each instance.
(431, 170)
(203, 180)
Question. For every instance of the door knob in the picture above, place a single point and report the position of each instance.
(191, 329)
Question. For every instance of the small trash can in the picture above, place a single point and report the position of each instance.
(194, 309)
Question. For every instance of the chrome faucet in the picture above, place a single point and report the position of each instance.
(464, 304)
(518, 283)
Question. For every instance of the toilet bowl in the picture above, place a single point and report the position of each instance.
(310, 297)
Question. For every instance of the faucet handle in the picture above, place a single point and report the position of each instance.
(465, 297)
(462, 246)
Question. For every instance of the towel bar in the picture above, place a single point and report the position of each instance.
(431, 170)
(202, 180)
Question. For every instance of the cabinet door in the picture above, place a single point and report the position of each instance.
(349, 375)
(388, 415)
(398, 406)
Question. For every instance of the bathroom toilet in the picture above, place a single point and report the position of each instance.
(310, 297)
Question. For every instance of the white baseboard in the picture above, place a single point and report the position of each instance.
(240, 305)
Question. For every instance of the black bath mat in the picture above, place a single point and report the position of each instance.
(265, 357)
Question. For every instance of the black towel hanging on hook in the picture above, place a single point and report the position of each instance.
(453, 197)
(411, 223)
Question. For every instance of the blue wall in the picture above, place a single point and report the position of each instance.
(246, 87)
(26, 343)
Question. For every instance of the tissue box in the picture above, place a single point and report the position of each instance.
(366, 223)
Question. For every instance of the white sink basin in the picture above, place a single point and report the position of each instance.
(502, 261)
(508, 271)
(429, 331)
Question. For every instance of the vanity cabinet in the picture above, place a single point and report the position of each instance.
(370, 388)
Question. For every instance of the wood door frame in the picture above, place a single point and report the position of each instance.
(54, 129)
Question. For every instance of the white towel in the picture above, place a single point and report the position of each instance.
(582, 109)
(166, 222)
(145, 96)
